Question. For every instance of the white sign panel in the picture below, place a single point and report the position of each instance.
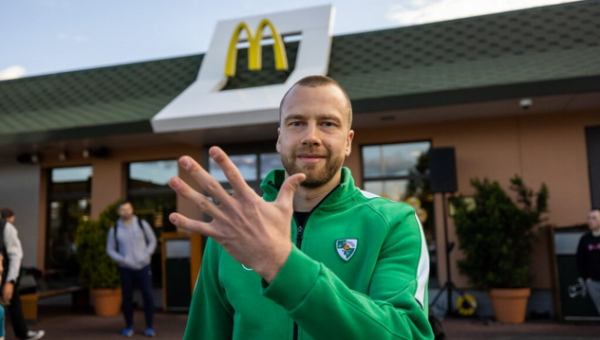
(202, 105)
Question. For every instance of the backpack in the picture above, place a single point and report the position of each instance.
(115, 233)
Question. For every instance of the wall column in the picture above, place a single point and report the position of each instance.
(108, 184)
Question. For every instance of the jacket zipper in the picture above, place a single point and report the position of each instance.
(299, 236)
(298, 244)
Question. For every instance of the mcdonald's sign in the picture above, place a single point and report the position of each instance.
(255, 49)
(204, 103)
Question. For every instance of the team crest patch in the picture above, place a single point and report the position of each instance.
(346, 248)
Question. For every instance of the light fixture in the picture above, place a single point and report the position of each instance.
(62, 156)
(525, 103)
(29, 158)
(100, 152)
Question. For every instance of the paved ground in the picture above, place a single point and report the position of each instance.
(60, 324)
(470, 329)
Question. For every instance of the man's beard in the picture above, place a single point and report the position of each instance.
(316, 175)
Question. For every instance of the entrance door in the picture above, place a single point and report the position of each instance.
(68, 200)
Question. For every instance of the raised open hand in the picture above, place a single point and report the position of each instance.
(254, 232)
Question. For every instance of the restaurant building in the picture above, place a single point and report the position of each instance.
(512, 93)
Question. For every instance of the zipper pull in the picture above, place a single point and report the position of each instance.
(299, 236)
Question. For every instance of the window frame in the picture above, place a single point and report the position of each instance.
(434, 267)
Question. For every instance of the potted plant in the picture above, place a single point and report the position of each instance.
(496, 236)
(98, 271)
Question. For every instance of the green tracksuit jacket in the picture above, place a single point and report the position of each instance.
(360, 273)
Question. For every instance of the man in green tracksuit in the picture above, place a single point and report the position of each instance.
(352, 265)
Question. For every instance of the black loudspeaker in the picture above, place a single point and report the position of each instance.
(442, 164)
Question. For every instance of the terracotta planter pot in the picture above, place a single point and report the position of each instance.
(510, 305)
(107, 302)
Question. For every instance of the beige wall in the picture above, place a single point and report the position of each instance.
(109, 179)
(543, 148)
(547, 148)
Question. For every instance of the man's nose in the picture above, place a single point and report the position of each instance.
(311, 136)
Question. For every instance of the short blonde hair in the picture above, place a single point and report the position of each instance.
(317, 81)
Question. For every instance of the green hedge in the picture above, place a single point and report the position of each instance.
(497, 234)
(97, 269)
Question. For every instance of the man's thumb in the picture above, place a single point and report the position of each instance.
(288, 188)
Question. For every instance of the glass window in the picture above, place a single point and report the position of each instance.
(153, 200)
(392, 160)
(245, 163)
(71, 180)
(151, 175)
(268, 162)
(400, 172)
(68, 200)
(149, 191)
(62, 175)
(395, 190)
(254, 165)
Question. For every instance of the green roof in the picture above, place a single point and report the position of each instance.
(533, 52)
(481, 58)
(93, 102)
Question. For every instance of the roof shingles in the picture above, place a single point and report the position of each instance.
(532, 46)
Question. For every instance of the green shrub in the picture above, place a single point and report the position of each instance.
(496, 235)
(98, 270)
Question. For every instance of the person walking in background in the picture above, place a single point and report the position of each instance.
(588, 257)
(13, 254)
(131, 243)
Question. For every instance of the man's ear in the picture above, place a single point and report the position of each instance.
(349, 142)
(277, 145)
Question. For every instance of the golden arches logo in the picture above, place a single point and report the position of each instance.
(255, 49)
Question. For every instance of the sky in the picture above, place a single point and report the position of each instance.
(40, 37)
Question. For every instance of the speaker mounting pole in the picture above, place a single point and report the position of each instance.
(448, 286)
(442, 162)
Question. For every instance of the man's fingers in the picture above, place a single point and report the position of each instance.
(201, 201)
(192, 225)
(288, 188)
(235, 178)
(206, 181)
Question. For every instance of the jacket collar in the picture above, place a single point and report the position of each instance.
(342, 193)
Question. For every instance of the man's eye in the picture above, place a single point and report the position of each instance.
(295, 124)
(328, 124)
